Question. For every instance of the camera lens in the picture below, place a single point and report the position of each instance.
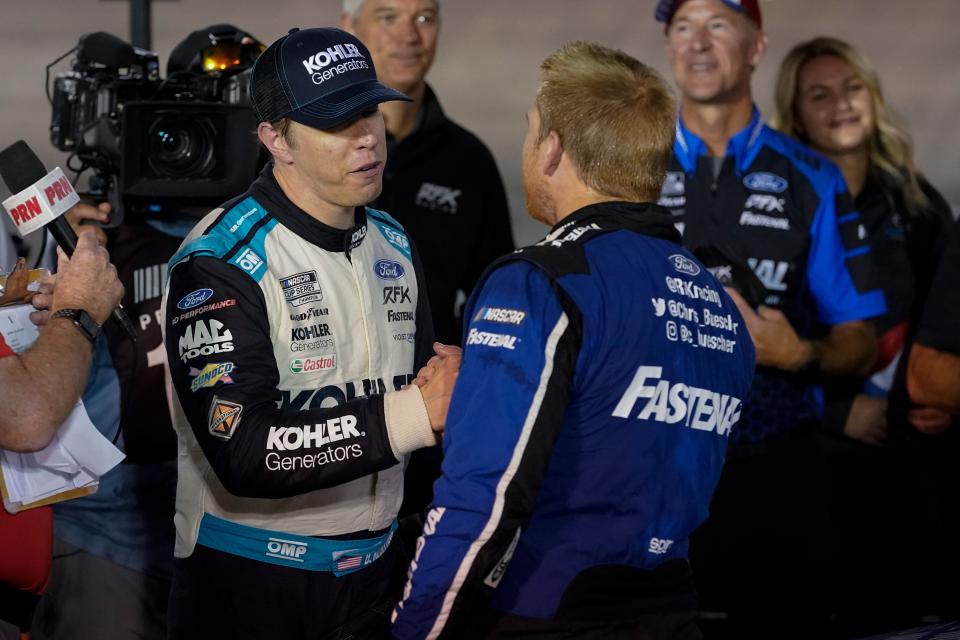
(181, 147)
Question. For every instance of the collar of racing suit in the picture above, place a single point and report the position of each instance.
(643, 217)
(743, 146)
(267, 188)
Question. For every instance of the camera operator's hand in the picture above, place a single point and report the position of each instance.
(80, 216)
(85, 281)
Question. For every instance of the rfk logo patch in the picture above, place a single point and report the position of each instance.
(224, 418)
(438, 198)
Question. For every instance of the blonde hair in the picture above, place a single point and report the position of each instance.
(889, 147)
(615, 118)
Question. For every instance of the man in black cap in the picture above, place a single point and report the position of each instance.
(294, 320)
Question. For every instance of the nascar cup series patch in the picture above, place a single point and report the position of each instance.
(224, 418)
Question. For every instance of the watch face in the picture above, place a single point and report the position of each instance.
(88, 324)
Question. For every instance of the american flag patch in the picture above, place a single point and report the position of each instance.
(348, 563)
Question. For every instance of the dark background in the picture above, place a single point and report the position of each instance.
(487, 67)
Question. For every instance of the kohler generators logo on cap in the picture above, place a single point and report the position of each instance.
(317, 64)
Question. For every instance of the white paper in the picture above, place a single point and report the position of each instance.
(77, 456)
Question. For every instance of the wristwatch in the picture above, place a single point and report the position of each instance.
(82, 321)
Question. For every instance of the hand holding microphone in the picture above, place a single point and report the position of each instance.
(40, 199)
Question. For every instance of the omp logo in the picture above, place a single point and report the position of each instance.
(325, 57)
(396, 295)
(286, 549)
(249, 261)
(224, 418)
(388, 270)
(194, 298)
(496, 340)
(683, 264)
(310, 436)
(763, 181)
(438, 198)
(309, 365)
(204, 338)
(659, 546)
(750, 219)
(211, 375)
(771, 273)
(396, 238)
(500, 315)
(766, 203)
(675, 403)
(239, 223)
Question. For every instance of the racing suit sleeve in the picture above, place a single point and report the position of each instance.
(840, 269)
(224, 372)
(505, 415)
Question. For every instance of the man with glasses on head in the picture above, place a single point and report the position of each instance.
(294, 320)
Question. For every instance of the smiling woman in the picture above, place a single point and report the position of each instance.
(828, 95)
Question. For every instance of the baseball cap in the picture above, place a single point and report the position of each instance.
(320, 78)
(666, 9)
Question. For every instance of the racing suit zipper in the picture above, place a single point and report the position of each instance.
(366, 336)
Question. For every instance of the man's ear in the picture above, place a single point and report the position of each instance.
(758, 48)
(275, 143)
(346, 22)
(551, 153)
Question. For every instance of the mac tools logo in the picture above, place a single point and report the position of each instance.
(316, 65)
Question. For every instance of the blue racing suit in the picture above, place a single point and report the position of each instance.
(604, 369)
(786, 211)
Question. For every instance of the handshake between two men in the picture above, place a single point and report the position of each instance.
(437, 380)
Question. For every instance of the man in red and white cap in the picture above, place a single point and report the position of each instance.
(786, 212)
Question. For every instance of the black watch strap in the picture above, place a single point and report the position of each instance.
(82, 321)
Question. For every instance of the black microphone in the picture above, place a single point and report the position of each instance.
(39, 200)
(106, 49)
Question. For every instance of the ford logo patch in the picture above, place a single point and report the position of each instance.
(388, 270)
(763, 181)
(195, 298)
(683, 264)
